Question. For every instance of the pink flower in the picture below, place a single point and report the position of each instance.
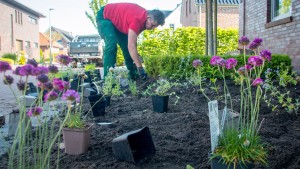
(34, 111)
(257, 81)
(255, 60)
(8, 80)
(266, 55)
(53, 69)
(214, 60)
(26, 70)
(231, 63)
(50, 96)
(66, 85)
(21, 85)
(43, 78)
(4, 66)
(71, 95)
(221, 62)
(244, 41)
(40, 70)
(58, 84)
(32, 62)
(197, 63)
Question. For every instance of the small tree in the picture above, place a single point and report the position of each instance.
(95, 5)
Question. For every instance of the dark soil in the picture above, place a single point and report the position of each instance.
(181, 135)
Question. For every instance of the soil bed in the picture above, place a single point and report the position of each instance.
(181, 135)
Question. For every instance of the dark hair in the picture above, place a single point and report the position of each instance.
(157, 16)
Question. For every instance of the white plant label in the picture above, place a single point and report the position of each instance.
(214, 123)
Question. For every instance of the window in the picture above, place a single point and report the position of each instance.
(35, 45)
(27, 44)
(280, 9)
(32, 20)
(18, 17)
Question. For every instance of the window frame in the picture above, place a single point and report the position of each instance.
(27, 44)
(282, 16)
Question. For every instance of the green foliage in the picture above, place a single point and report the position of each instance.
(7, 60)
(90, 67)
(75, 121)
(95, 6)
(184, 41)
(120, 57)
(11, 56)
(132, 87)
(111, 86)
(161, 87)
(189, 167)
(22, 59)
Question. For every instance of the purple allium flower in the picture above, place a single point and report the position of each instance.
(244, 69)
(221, 62)
(8, 80)
(255, 60)
(43, 78)
(21, 85)
(26, 70)
(71, 95)
(4, 66)
(50, 96)
(257, 81)
(257, 41)
(34, 111)
(48, 86)
(244, 41)
(53, 69)
(231, 63)
(63, 59)
(253, 46)
(197, 63)
(248, 67)
(58, 84)
(32, 62)
(214, 60)
(266, 55)
(66, 85)
(17, 70)
(40, 70)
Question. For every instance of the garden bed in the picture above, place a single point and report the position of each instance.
(181, 135)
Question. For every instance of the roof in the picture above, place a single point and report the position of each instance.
(25, 8)
(220, 2)
(44, 41)
(67, 36)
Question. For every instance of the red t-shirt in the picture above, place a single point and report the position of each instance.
(126, 16)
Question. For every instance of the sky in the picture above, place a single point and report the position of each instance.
(69, 15)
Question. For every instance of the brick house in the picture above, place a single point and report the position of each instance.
(19, 30)
(45, 46)
(193, 13)
(277, 22)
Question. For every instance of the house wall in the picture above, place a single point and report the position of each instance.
(173, 19)
(10, 31)
(283, 38)
(228, 16)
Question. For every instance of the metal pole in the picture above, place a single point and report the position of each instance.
(210, 27)
(50, 29)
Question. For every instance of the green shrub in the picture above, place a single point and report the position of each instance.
(10, 61)
(11, 56)
(22, 59)
(90, 67)
(180, 66)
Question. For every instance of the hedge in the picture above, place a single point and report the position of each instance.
(10, 61)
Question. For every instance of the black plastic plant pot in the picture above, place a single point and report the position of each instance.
(89, 78)
(107, 101)
(97, 104)
(135, 146)
(218, 163)
(74, 84)
(160, 103)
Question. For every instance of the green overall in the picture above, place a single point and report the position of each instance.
(112, 37)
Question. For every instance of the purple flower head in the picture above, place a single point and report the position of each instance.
(26, 70)
(8, 80)
(50, 96)
(244, 41)
(63, 59)
(197, 63)
(4, 66)
(32, 62)
(257, 81)
(266, 55)
(43, 78)
(255, 61)
(253, 46)
(66, 85)
(17, 70)
(71, 95)
(34, 111)
(40, 70)
(58, 84)
(221, 62)
(258, 41)
(214, 60)
(242, 70)
(48, 86)
(21, 85)
(248, 67)
(53, 69)
(231, 63)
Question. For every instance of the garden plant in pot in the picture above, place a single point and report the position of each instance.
(160, 91)
(240, 146)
